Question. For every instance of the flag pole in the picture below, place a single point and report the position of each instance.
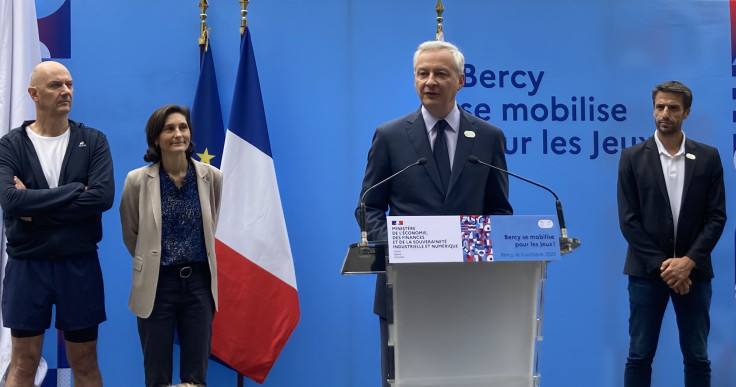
(439, 8)
(204, 40)
(243, 24)
(243, 16)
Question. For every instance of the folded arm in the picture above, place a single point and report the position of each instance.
(98, 195)
(29, 202)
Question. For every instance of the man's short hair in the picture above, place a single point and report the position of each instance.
(437, 45)
(675, 87)
(155, 126)
(34, 78)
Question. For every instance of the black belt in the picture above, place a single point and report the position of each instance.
(183, 271)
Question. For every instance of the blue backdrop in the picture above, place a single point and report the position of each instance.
(332, 70)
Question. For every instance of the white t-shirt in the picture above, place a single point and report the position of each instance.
(50, 151)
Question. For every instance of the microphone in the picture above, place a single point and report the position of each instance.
(363, 232)
(567, 245)
(364, 257)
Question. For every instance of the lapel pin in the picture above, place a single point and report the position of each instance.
(469, 134)
(690, 156)
(82, 144)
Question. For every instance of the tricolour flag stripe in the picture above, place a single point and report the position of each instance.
(252, 210)
(258, 300)
(247, 116)
(254, 342)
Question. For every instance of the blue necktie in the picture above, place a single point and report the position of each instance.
(441, 155)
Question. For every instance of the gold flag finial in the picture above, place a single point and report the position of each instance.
(203, 30)
(440, 35)
(243, 14)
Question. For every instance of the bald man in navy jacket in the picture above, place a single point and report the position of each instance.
(56, 180)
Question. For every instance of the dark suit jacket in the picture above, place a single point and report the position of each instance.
(645, 216)
(473, 188)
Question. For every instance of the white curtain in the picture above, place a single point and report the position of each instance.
(20, 51)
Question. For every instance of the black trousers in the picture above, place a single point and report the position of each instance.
(183, 304)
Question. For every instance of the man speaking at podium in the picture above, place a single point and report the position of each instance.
(447, 184)
(672, 209)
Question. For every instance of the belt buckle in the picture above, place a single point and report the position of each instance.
(185, 272)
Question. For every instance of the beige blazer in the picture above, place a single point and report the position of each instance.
(140, 216)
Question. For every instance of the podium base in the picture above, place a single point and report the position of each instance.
(465, 324)
(488, 381)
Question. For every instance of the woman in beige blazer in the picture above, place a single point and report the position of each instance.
(169, 213)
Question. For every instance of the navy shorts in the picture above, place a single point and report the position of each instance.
(32, 286)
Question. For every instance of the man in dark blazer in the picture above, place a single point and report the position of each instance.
(672, 210)
(447, 184)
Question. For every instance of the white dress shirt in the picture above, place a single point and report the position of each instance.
(451, 131)
(673, 168)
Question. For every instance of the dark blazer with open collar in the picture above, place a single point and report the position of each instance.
(645, 216)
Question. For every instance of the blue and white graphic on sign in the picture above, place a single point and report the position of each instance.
(525, 238)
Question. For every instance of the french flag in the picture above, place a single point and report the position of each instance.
(258, 303)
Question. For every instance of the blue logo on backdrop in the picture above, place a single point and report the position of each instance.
(54, 28)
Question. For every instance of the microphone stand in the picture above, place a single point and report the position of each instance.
(363, 232)
(567, 244)
(364, 256)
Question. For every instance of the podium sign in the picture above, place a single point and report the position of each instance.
(472, 238)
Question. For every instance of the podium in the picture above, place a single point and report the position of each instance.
(460, 323)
